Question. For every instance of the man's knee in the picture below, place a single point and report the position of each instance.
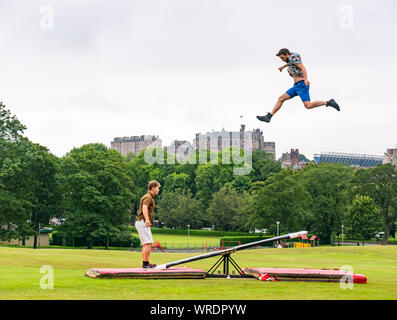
(307, 104)
(281, 98)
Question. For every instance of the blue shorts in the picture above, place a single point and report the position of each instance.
(300, 89)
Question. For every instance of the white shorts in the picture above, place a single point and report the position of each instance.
(144, 232)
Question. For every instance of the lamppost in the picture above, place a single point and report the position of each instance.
(188, 229)
(342, 234)
(278, 223)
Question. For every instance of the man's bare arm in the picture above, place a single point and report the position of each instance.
(146, 215)
(304, 71)
(284, 66)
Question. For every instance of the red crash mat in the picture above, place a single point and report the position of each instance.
(307, 274)
(139, 273)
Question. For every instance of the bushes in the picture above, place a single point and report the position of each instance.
(63, 239)
(247, 239)
(123, 240)
(392, 241)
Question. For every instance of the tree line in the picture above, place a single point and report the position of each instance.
(95, 191)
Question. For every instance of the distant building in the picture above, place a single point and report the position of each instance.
(134, 144)
(42, 240)
(390, 156)
(180, 147)
(291, 159)
(219, 140)
(353, 160)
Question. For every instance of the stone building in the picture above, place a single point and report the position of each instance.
(290, 158)
(135, 144)
(390, 156)
(181, 147)
(218, 140)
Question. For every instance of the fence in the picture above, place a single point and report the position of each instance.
(202, 246)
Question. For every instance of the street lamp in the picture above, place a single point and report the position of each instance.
(188, 229)
(342, 234)
(278, 223)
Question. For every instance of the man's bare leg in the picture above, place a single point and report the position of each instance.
(280, 102)
(314, 104)
(146, 251)
(284, 97)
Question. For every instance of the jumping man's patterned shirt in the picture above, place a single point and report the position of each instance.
(293, 62)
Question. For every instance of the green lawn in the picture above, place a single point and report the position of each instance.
(20, 275)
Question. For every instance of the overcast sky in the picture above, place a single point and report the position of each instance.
(80, 71)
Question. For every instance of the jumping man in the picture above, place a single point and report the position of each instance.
(301, 85)
(145, 219)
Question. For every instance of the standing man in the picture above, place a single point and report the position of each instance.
(144, 221)
(301, 85)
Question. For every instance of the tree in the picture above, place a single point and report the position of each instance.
(11, 129)
(15, 206)
(282, 198)
(206, 175)
(97, 192)
(380, 183)
(178, 208)
(263, 165)
(190, 170)
(302, 158)
(362, 218)
(329, 186)
(228, 210)
(139, 171)
(176, 181)
(130, 156)
(241, 183)
(28, 191)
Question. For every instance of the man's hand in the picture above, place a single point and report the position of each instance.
(284, 66)
(147, 223)
(307, 82)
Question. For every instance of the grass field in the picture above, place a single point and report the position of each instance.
(20, 275)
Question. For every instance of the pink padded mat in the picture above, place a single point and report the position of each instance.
(306, 274)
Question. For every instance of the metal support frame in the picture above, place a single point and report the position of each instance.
(226, 260)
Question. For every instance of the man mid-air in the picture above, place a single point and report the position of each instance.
(301, 85)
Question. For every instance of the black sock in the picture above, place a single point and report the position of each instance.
(269, 115)
(145, 263)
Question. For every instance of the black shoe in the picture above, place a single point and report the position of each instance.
(265, 118)
(333, 104)
(148, 266)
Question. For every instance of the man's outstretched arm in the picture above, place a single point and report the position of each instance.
(284, 66)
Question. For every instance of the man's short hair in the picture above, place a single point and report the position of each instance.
(283, 51)
(153, 184)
